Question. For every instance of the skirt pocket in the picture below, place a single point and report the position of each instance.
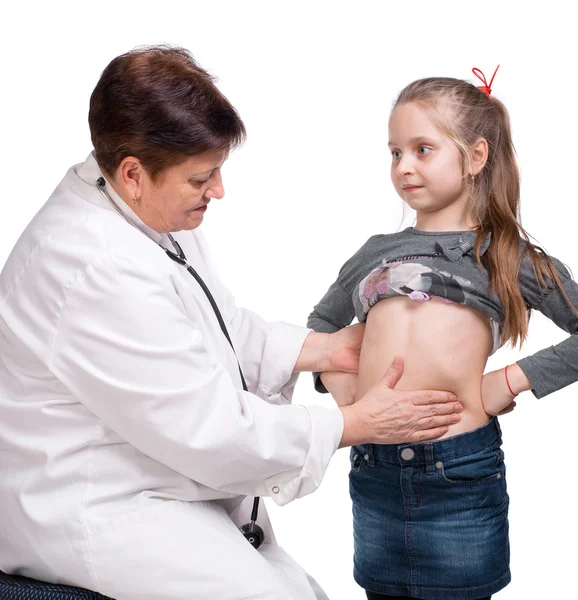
(485, 467)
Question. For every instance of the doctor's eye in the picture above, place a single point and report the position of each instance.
(199, 182)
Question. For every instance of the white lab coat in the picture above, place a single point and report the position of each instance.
(127, 445)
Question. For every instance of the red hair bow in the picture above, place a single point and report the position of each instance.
(487, 87)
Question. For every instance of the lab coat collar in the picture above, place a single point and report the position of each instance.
(89, 172)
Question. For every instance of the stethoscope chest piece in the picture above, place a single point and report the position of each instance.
(253, 534)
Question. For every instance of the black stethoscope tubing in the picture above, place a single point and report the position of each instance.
(252, 532)
(181, 259)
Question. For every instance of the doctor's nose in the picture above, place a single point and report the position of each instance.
(216, 189)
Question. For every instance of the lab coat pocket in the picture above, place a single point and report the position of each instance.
(128, 518)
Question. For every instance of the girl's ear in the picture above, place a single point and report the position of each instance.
(479, 156)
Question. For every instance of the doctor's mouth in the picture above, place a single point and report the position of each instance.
(201, 208)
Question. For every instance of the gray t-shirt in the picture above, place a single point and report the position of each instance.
(424, 265)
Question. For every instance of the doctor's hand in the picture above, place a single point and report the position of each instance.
(387, 416)
(344, 348)
(337, 351)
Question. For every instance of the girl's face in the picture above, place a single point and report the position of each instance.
(426, 167)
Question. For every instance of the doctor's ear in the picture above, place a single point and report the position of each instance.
(131, 176)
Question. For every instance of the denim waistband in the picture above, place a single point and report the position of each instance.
(428, 452)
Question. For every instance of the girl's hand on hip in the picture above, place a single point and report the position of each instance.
(497, 399)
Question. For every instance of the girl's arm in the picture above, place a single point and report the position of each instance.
(549, 369)
(333, 312)
(554, 367)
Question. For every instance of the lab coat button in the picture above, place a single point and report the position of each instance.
(275, 490)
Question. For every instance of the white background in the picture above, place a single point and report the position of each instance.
(314, 83)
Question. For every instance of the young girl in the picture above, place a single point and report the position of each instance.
(430, 519)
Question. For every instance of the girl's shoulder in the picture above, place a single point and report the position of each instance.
(381, 241)
(378, 243)
(535, 271)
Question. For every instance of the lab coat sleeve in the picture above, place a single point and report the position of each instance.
(267, 351)
(127, 349)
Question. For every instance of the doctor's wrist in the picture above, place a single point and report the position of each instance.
(315, 353)
(354, 426)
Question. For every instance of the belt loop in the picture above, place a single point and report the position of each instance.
(496, 424)
(428, 451)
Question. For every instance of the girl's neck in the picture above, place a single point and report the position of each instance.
(443, 220)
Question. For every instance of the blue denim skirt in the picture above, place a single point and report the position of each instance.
(430, 519)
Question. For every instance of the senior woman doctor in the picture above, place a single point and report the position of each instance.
(130, 451)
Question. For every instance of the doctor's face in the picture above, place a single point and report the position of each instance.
(180, 197)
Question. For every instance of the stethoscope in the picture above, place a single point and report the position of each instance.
(253, 533)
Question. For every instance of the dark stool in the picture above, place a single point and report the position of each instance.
(14, 587)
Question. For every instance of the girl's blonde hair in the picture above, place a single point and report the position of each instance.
(464, 114)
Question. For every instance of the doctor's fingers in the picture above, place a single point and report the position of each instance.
(432, 410)
(438, 421)
(431, 397)
(425, 435)
(431, 428)
(402, 424)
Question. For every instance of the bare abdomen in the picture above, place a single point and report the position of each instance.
(443, 346)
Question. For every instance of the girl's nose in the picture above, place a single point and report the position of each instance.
(404, 166)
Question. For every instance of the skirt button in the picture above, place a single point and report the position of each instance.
(407, 454)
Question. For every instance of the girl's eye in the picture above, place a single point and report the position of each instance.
(396, 154)
(423, 150)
